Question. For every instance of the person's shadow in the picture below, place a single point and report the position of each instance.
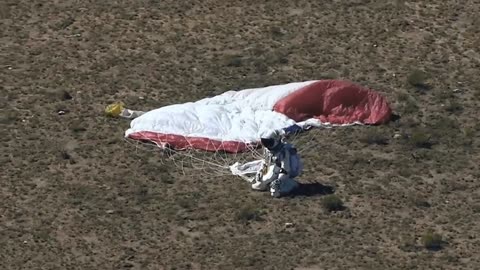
(311, 189)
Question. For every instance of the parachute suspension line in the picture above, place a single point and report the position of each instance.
(199, 159)
(215, 164)
(202, 164)
(221, 157)
(179, 166)
(170, 154)
(255, 152)
(217, 161)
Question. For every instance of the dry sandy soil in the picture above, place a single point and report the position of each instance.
(75, 195)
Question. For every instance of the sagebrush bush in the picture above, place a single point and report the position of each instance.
(421, 139)
(233, 61)
(454, 106)
(248, 213)
(410, 107)
(431, 240)
(332, 203)
(8, 117)
(403, 97)
(418, 78)
(375, 137)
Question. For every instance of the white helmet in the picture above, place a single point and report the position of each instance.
(272, 139)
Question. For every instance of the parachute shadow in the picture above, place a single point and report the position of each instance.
(312, 189)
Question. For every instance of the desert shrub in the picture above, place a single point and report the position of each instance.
(469, 132)
(233, 61)
(406, 171)
(65, 23)
(77, 126)
(261, 67)
(418, 78)
(476, 94)
(276, 31)
(445, 127)
(442, 96)
(444, 122)
(419, 202)
(185, 202)
(167, 179)
(454, 106)
(408, 244)
(375, 137)
(189, 199)
(410, 107)
(403, 97)
(421, 139)
(332, 203)
(432, 241)
(468, 136)
(57, 94)
(248, 213)
(8, 117)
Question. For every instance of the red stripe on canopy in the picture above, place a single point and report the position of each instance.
(336, 102)
(179, 142)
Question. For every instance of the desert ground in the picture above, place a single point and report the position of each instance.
(76, 195)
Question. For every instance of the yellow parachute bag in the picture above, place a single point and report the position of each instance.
(114, 109)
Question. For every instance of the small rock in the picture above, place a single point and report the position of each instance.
(397, 136)
(456, 90)
(61, 112)
(105, 187)
(288, 225)
(142, 98)
(110, 211)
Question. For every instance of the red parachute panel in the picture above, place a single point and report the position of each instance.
(336, 102)
(179, 142)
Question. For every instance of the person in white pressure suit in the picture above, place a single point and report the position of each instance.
(281, 165)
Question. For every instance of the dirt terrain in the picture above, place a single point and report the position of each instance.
(75, 195)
